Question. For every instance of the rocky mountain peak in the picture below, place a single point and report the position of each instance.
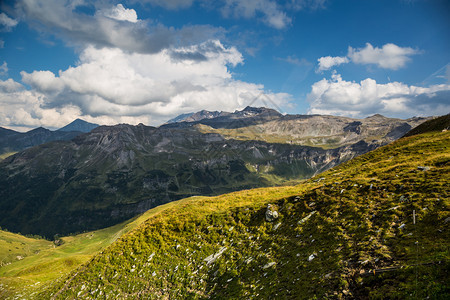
(253, 111)
(79, 125)
(376, 117)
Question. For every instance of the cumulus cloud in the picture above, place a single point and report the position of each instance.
(272, 13)
(10, 86)
(390, 56)
(107, 27)
(327, 62)
(121, 13)
(395, 99)
(112, 84)
(7, 23)
(23, 109)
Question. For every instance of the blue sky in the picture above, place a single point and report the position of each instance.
(147, 61)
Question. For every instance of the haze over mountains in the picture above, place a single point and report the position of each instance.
(116, 172)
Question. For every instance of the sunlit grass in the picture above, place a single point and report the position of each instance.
(5, 155)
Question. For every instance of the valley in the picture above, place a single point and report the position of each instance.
(372, 227)
(113, 173)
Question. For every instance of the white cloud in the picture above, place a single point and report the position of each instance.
(327, 62)
(390, 56)
(6, 22)
(10, 86)
(24, 109)
(62, 18)
(339, 97)
(112, 85)
(272, 13)
(4, 69)
(121, 13)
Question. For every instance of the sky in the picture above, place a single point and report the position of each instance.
(148, 61)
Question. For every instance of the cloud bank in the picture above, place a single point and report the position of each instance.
(347, 98)
(110, 86)
(110, 26)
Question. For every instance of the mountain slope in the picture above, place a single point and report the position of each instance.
(323, 131)
(28, 264)
(436, 124)
(346, 234)
(179, 118)
(113, 173)
(80, 126)
(13, 141)
(116, 172)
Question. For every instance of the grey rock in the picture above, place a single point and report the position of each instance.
(268, 265)
(423, 168)
(271, 214)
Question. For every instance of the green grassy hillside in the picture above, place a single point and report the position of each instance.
(348, 233)
(29, 264)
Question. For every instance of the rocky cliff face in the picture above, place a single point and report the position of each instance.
(309, 130)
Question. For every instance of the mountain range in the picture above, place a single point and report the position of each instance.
(12, 141)
(374, 227)
(113, 173)
(265, 124)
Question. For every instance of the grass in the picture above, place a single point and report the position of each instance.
(5, 155)
(42, 261)
(347, 233)
(15, 247)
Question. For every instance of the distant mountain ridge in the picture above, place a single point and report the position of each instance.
(323, 131)
(221, 117)
(13, 141)
(80, 126)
